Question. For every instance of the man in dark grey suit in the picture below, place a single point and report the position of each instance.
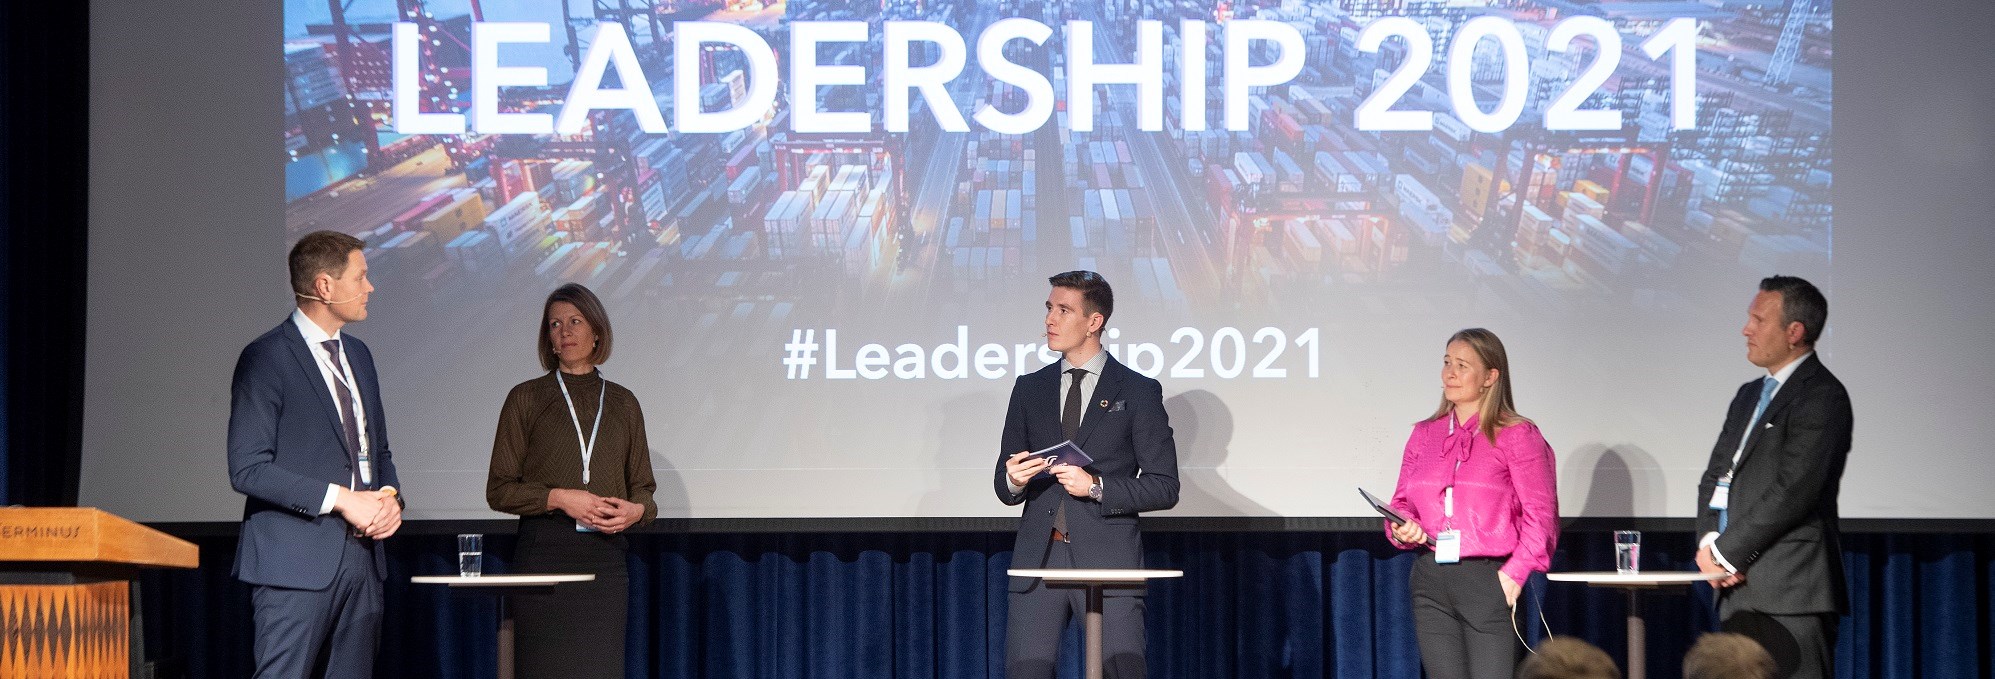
(1768, 497)
(1081, 517)
(308, 446)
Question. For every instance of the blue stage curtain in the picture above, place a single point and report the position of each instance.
(931, 605)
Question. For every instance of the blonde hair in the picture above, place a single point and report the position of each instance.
(1498, 408)
(1728, 656)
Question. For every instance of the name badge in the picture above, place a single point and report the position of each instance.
(1721, 497)
(1448, 547)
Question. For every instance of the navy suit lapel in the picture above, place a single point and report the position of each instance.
(314, 380)
(1105, 393)
(361, 361)
(1045, 407)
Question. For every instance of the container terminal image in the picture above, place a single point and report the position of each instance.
(1301, 210)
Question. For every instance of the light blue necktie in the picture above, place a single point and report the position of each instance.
(1766, 388)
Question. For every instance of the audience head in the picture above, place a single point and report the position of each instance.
(1568, 658)
(1723, 655)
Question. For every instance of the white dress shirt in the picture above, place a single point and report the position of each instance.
(1780, 378)
(1094, 367)
(315, 337)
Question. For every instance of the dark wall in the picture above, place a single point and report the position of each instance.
(43, 185)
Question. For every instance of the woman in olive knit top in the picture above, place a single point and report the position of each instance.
(578, 475)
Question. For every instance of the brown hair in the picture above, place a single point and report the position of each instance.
(1800, 302)
(592, 312)
(319, 252)
(1724, 655)
(1095, 293)
(1568, 658)
(1498, 408)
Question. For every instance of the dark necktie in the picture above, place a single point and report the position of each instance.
(1070, 416)
(347, 420)
(1070, 424)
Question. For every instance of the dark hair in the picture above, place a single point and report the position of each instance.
(1498, 408)
(1799, 301)
(1096, 296)
(1568, 658)
(319, 252)
(1724, 655)
(592, 313)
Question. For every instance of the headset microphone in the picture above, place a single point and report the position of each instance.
(316, 298)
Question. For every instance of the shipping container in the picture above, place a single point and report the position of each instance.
(462, 211)
(1307, 249)
(520, 222)
(1289, 176)
(1422, 209)
(578, 217)
(1249, 168)
(411, 218)
(746, 187)
(816, 182)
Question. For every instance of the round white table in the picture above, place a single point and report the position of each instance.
(499, 585)
(1095, 580)
(1633, 584)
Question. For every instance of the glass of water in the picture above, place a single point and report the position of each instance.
(470, 555)
(1627, 551)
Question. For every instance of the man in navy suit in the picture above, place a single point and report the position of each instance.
(308, 446)
(1768, 496)
(1081, 517)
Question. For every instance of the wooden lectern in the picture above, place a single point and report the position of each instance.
(65, 589)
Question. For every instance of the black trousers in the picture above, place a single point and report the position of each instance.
(572, 630)
(1803, 646)
(1461, 619)
(332, 632)
(1038, 617)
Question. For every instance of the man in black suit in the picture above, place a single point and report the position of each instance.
(1768, 497)
(1081, 517)
(308, 447)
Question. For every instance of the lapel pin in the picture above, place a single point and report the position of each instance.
(1104, 403)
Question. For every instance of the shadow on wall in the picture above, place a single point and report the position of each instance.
(1619, 481)
(1203, 428)
(671, 493)
(979, 411)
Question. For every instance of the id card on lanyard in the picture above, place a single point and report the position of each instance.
(1448, 545)
(588, 444)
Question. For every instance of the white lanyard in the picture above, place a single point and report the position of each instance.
(340, 373)
(588, 444)
(1448, 493)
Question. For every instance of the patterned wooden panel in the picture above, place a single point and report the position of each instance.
(66, 631)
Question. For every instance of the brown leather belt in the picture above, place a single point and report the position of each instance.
(1060, 537)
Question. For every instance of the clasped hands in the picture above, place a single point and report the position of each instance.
(372, 513)
(606, 514)
(1021, 467)
(1708, 565)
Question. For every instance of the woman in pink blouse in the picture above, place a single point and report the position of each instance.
(1478, 491)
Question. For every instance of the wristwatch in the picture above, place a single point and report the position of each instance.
(1094, 490)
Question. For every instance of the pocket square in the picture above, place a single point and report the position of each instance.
(1117, 407)
(1769, 425)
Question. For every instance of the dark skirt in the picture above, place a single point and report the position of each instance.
(573, 629)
